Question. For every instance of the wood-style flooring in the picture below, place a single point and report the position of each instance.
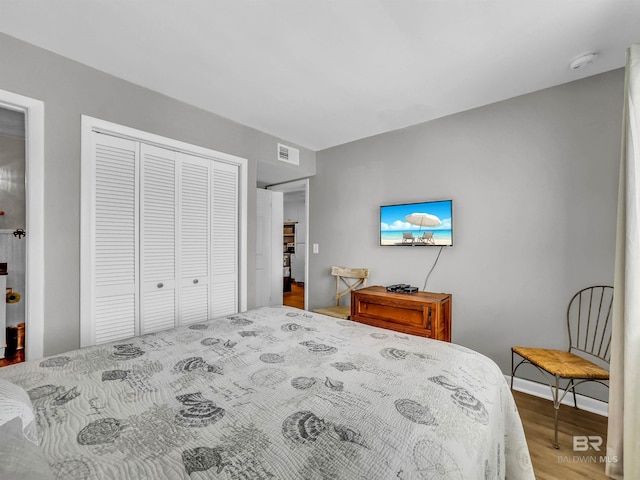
(294, 298)
(11, 357)
(549, 463)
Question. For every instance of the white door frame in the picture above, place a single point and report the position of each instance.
(296, 186)
(34, 179)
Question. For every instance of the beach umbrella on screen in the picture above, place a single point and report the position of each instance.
(423, 220)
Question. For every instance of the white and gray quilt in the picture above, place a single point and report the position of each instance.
(275, 393)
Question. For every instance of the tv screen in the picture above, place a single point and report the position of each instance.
(417, 224)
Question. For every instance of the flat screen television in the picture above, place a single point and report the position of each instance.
(417, 224)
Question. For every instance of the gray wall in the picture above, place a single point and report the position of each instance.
(534, 186)
(69, 90)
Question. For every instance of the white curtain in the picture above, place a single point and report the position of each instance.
(623, 437)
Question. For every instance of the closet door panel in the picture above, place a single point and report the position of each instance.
(158, 203)
(224, 253)
(159, 310)
(115, 318)
(194, 304)
(194, 234)
(162, 230)
(115, 217)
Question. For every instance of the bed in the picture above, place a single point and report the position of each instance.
(273, 393)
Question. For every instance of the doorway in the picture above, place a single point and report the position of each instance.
(12, 232)
(22, 226)
(295, 249)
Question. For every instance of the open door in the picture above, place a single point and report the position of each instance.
(295, 210)
(269, 248)
(23, 235)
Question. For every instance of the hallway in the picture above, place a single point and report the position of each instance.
(294, 298)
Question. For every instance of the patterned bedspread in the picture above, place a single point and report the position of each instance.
(275, 393)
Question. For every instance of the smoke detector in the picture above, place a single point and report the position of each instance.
(583, 60)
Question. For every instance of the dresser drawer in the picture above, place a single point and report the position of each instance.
(424, 314)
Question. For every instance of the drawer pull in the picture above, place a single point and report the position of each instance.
(160, 285)
(195, 280)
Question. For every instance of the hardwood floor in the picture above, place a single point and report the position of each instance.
(294, 298)
(566, 464)
(11, 357)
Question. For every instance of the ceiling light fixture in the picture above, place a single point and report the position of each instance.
(583, 60)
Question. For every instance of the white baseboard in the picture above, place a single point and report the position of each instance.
(543, 391)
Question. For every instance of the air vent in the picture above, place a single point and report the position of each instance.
(288, 154)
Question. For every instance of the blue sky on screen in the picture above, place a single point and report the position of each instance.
(392, 217)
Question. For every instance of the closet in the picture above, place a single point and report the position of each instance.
(164, 239)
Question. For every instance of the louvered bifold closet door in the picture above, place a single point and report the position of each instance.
(115, 212)
(194, 234)
(158, 205)
(225, 269)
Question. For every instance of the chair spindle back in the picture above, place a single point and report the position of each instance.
(589, 321)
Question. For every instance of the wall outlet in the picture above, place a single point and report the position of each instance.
(316, 248)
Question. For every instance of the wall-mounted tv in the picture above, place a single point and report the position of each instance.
(417, 224)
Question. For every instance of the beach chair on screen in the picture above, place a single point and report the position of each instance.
(407, 237)
(427, 237)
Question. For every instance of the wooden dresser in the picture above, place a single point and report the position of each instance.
(421, 313)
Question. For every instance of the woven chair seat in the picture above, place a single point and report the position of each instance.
(562, 363)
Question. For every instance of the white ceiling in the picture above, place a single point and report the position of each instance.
(321, 73)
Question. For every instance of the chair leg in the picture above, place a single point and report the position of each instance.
(556, 408)
(512, 353)
(573, 390)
